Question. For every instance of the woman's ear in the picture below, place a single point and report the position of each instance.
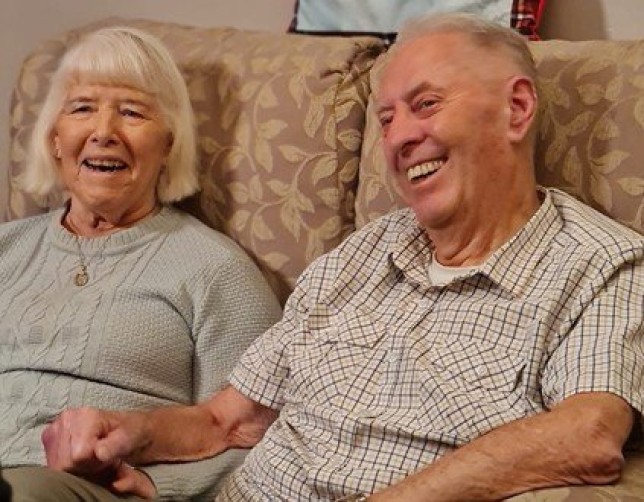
(169, 144)
(523, 107)
(57, 151)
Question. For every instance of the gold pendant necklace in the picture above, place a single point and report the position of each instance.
(81, 277)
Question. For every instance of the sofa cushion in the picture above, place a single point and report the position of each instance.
(590, 134)
(280, 120)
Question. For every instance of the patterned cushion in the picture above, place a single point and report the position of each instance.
(590, 140)
(592, 124)
(280, 120)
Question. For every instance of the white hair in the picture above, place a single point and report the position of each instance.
(484, 32)
(128, 57)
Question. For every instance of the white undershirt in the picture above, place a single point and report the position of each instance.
(440, 275)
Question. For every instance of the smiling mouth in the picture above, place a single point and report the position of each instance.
(424, 170)
(104, 165)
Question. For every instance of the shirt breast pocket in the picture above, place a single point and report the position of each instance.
(337, 364)
(470, 388)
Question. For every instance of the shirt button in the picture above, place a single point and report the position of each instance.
(423, 304)
(480, 371)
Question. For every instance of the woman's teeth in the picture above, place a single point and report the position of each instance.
(104, 165)
(424, 169)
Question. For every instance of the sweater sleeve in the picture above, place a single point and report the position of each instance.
(238, 307)
(233, 306)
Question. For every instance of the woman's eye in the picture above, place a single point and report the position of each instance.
(128, 112)
(81, 109)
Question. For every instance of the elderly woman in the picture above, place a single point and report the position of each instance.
(118, 300)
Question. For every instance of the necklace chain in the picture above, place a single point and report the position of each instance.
(82, 277)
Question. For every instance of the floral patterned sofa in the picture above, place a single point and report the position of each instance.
(290, 153)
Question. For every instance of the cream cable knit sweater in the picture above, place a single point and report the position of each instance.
(169, 307)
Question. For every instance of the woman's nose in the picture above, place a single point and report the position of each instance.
(105, 128)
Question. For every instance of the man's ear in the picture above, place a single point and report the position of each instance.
(523, 103)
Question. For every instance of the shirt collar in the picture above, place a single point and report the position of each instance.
(509, 266)
(412, 250)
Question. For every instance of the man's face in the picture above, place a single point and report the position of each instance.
(444, 107)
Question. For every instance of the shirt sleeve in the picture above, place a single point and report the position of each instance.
(262, 372)
(604, 348)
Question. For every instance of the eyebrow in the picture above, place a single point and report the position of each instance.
(86, 99)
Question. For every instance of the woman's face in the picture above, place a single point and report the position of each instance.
(111, 143)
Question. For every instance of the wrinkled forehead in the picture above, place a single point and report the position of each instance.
(439, 60)
(430, 59)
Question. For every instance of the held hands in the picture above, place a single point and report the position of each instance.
(94, 444)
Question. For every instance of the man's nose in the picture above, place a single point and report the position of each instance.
(405, 131)
(105, 128)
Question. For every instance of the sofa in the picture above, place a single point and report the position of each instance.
(290, 150)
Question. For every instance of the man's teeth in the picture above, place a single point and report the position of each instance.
(105, 164)
(424, 169)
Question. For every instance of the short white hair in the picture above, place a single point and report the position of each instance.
(484, 32)
(127, 57)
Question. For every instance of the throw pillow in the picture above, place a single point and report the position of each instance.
(384, 18)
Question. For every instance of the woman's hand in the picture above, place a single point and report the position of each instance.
(133, 481)
(94, 444)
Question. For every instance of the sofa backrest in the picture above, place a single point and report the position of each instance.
(290, 155)
(280, 120)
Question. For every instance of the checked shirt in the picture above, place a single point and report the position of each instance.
(378, 372)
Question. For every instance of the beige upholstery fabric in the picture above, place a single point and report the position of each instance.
(280, 120)
(592, 128)
(591, 136)
(376, 194)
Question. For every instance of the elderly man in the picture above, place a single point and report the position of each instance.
(484, 342)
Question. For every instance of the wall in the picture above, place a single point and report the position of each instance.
(24, 23)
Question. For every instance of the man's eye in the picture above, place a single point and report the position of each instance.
(426, 103)
(385, 121)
